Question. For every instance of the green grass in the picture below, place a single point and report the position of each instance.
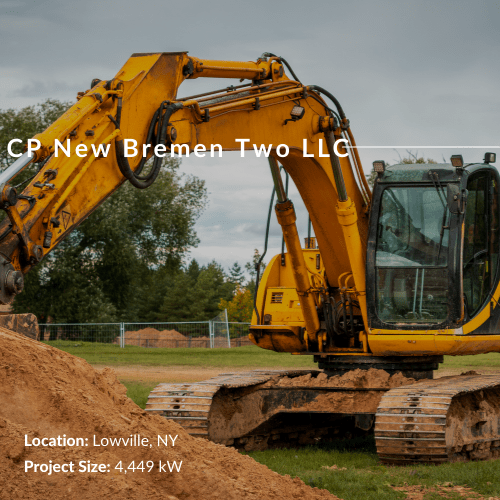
(491, 360)
(138, 392)
(248, 356)
(365, 478)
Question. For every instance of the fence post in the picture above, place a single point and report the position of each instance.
(122, 335)
(211, 334)
(227, 330)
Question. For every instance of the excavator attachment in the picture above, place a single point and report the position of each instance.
(25, 324)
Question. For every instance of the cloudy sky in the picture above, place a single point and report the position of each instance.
(408, 73)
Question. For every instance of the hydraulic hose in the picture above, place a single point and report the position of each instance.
(257, 266)
(282, 237)
(331, 97)
(357, 161)
(269, 54)
(159, 121)
(311, 87)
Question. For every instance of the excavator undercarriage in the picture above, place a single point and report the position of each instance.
(255, 410)
(428, 421)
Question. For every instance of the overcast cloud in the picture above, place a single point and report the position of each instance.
(410, 73)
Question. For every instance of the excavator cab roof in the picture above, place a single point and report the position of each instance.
(419, 173)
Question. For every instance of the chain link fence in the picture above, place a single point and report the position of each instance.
(105, 333)
(238, 333)
(186, 334)
(217, 332)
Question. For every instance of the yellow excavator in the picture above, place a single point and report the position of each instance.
(398, 277)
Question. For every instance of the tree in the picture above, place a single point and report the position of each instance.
(23, 124)
(124, 255)
(191, 298)
(193, 269)
(371, 178)
(212, 286)
(71, 294)
(240, 307)
(413, 158)
(236, 275)
(251, 268)
(178, 303)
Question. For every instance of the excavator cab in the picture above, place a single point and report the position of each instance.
(433, 246)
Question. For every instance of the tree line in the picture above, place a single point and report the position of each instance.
(127, 260)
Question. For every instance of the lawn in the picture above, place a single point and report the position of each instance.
(349, 469)
(249, 356)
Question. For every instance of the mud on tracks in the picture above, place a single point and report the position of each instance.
(345, 402)
(362, 379)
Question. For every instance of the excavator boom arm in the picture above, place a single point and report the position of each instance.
(85, 156)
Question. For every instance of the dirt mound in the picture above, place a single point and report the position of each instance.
(371, 378)
(241, 341)
(150, 337)
(200, 341)
(46, 393)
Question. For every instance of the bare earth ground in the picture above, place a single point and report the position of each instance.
(422, 493)
(483, 370)
(180, 374)
(171, 374)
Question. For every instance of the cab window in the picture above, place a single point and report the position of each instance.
(480, 254)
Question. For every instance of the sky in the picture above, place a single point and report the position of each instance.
(408, 73)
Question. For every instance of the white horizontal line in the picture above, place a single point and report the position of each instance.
(422, 147)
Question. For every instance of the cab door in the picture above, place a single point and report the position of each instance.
(480, 237)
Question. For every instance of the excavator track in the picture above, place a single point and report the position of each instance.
(189, 404)
(431, 421)
(435, 421)
(249, 410)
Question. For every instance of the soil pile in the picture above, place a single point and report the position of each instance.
(46, 393)
(241, 341)
(371, 378)
(200, 341)
(150, 337)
